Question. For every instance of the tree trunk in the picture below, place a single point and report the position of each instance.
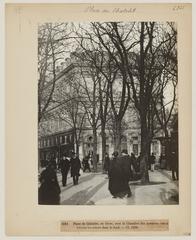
(76, 143)
(117, 140)
(103, 138)
(144, 149)
(95, 149)
(77, 148)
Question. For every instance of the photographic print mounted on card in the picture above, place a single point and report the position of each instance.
(106, 103)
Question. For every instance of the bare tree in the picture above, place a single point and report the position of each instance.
(140, 70)
(117, 78)
(51, 47)
(87, 81)
(71, 110)
(100, 64)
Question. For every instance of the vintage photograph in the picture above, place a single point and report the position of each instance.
(107, 113)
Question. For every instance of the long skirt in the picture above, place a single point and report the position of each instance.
(49, 194)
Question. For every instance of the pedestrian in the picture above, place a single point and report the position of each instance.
(152, 162)
(49, 190)
(64, 166)
(174, 165)
(53, 162)
(139, 160)
(106, 163)
(127, 167)
(75, 168)
(134, 162)
(86, 165)
(91, 159)
(116, 180)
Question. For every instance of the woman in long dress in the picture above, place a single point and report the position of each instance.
(116, 179)
(49, 190)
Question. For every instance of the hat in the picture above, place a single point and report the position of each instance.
(124, 151)
(115, 154)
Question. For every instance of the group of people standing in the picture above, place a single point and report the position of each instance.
(49, 190)
(122, 169)
(119, 173)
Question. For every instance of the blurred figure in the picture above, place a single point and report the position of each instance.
(174, 165)
(152, 162)
(135, 163)
(116, 181)
(126, 165)
(64, 166)
(86, 165)
(49, 190)
(106, 163)
(75, 168)
(139, 160)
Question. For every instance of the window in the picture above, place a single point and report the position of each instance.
(68, 139)
(54, 140)
(51, 141)
(72, 138)
(135, 149)
(124, 143)
(135, 138)
(57, 140)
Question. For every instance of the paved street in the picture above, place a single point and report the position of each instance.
(93, 190)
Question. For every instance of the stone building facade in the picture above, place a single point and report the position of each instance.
(58, 129)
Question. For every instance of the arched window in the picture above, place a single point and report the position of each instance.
(124, 142)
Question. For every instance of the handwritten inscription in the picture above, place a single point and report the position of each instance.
(178, 8)
(93, 9)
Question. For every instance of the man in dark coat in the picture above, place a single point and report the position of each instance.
(64, 166)
(49, 190)
(75, 168)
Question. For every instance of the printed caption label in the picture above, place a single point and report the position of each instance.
(114, 225)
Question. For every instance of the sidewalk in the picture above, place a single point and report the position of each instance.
(93, 190)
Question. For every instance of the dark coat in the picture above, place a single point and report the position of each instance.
(65, 165)
(49, 190)
(126, 163)
(136, 163)
(119, 176)
(75, 166)
(174, 161)
(152, 159)
(107, 163)
(116, 180)
(86, 163)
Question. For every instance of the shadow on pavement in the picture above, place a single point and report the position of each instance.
(81, 180)
(169, 197)
(82, 197)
